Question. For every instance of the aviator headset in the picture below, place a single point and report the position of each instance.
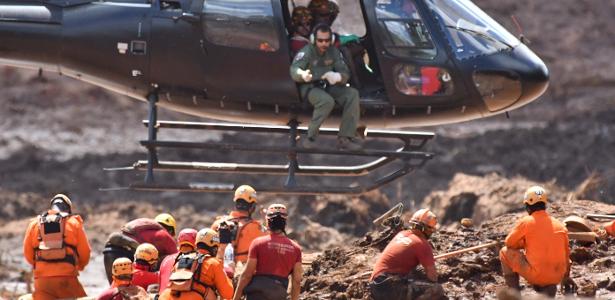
(321, 27)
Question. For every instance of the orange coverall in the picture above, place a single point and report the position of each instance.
(56, 280)
(547, 252)
(212, 274)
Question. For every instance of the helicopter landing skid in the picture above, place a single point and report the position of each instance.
(408, 154)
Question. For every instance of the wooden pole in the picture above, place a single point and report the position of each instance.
(598, 216)
(462, 251)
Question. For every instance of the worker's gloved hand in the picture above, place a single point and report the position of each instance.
(332, 77)
(306, 75)
(568, 286)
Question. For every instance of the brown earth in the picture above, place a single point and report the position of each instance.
(56, 134)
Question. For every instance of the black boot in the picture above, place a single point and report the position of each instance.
(512, 281)
(548, 290)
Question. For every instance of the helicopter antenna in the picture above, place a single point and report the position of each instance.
(522, 37)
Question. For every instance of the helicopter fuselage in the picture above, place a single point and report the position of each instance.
(227, 64)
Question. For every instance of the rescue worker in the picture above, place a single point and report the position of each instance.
(186, 240)
(145, 262)
(537, 248)
(238, 228)
(199, 275)
(324, 11)
(57, 247)
(302, 22)
(322, 75)
(408, 249)
(272, 259)
(159, 232)
(121, 287)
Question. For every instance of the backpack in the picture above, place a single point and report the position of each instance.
(240, 224)
(134, 227)
(186, 273)
(52, 247)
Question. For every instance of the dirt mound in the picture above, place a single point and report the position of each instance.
(482, 198)
(343, 272)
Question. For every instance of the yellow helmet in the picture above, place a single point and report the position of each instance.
(62, 198)
(167, 221)
(209, 237)
(121, 267)
(534, 195)
(424, 217)
(147, 252)
(246, 193)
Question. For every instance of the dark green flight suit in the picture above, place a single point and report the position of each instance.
(324, 100)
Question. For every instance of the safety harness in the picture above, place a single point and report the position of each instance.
(52, 245)
(186, 275)
(241, 222)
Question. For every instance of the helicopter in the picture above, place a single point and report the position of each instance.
(228, 60)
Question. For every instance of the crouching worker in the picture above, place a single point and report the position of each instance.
(537, 248)
(146, 260)
(271, 260)
(199, 275)
(121, 287)
(56, 246)
(409, 248)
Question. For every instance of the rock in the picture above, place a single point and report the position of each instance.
(581, 255)
(603, 283)
(611, 286)
(466, 222)
(586, 289)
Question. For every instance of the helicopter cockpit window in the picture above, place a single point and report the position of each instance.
(247, 24)
(402, 29)
(471, 31)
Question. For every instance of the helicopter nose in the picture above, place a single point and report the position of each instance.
(516, 79)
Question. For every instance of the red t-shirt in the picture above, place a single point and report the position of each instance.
(403, 254)
(142, 277)
(275, 254)
(166, 268)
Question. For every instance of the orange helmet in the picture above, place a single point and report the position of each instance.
(187, 236)
(121, 267)
(147, 252)
(534, 195)
(208, 237)
(425, 218)
(275, 210)
(245, 192)
(62, 198)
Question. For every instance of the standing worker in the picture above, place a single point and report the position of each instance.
(322, 75)
(537, 248)
(408, 249)
(159, 232)
(199, 275)
(121, 287)
(187, 244)
(238, 228)
(272, 259)
(56, 246)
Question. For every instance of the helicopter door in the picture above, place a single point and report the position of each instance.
(415, 72)
(176, 51)
(247, 52)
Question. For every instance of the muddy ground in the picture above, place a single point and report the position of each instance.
(57, 134)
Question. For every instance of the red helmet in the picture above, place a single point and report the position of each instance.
(276, 210)
(187, 236)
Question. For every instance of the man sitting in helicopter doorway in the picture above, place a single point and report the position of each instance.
(322, 74)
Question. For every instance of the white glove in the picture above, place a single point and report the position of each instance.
(332, 77)
(306, 75)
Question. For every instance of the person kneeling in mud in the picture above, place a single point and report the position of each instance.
(390, 281)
